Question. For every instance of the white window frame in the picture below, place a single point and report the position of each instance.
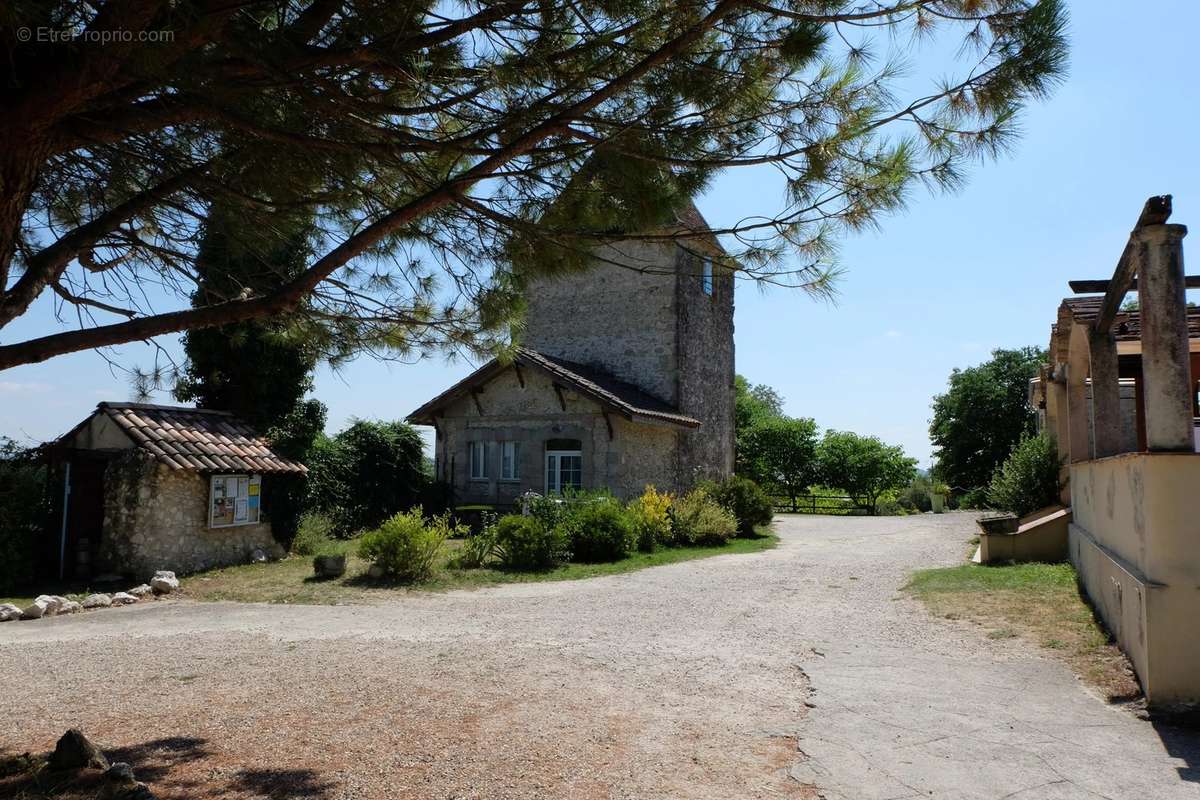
(555, 487)
(510, 456)
(479, 461)
(253, 510)
(706, 276)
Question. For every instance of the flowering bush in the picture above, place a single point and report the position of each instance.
(651, 517)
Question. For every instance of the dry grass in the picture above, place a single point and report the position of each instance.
(1037, 602)
(291, 580)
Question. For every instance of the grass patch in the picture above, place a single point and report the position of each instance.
(291, 580)
(1038, 602)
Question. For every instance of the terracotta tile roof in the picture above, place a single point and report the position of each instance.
(1128, 327)
(616, 395)
(197, 439)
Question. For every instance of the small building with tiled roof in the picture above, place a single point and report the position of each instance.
(623, 376)
(152, 487)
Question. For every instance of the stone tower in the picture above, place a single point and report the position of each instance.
(658, 315)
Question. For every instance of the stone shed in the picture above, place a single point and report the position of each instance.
(150, 487)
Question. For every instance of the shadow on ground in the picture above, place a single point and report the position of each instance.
(173, 767)
(1181, 738)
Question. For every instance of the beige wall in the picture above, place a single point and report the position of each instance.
(156, 518)
(634, 455)
(1135, 541)
(101, 433)
(1041, 536)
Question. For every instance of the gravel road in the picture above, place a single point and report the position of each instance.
(797, 672)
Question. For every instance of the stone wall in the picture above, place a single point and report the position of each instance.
(635, 455)
(652, 325)
(706, 368)
(156, 518)
(618, 316)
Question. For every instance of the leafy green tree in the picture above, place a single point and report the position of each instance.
(431, 143)
(781, 453)
(258, 369)
(981, 417)
(24, 507)
(366, 474)
(863, 466)
(754, 402)
(1029, 478)
(772, 448)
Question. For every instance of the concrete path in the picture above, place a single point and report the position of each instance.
(798, 672)
(906, 706)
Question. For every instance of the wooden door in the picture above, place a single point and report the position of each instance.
(85, 516)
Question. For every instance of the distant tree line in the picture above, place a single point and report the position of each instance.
(790, 459)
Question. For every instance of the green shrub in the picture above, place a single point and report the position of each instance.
(599, 530)
(478, 549)
(23, 511)
(314, 535)
(972, 499)
(550, 511)
(1028, 479)
(406, 546)
(746, 500)
(696, 519)
(526, 543)
(915, 496)
(365, 474)
(651, 517)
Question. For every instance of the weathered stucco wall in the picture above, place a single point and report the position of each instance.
(619, 316)
(706, 369)
(531, 414)
(157, 518)
(1133, 541)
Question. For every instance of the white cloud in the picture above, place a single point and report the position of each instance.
(15, 387)
(893, 334)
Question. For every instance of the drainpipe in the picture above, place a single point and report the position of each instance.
(62, 539)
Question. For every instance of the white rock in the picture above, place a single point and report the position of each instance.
(141, 591)
(97, 601)
(164, 582)
(35, 610)
(8, 611)
(123, 599)
(70, 607)
(50, 603)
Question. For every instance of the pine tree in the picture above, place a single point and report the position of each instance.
(427, 142)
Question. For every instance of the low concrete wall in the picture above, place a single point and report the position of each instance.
(1041, 536)
(1135, 541)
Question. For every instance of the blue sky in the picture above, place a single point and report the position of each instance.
(937, 287)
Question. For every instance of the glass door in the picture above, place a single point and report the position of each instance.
(564, 471)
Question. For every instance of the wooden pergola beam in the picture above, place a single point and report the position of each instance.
(1099, 286)
(1156, 212)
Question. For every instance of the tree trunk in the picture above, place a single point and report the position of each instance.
(21, 156)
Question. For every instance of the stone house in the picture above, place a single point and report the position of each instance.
(149, 487)
(624, 376)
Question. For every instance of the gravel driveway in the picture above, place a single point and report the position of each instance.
(798, 672)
